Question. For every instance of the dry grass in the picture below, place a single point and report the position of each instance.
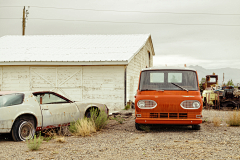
(234, 118)
(216, 121)
(209, 115)
(82, 127)
(60, 139)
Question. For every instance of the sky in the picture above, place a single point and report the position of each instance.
(191, 32)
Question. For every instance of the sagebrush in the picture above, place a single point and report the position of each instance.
(99, 117)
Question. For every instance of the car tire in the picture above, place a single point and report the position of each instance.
(137, 126)
(88, 115)
(196, 127)
(23, 130)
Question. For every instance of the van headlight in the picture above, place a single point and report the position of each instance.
(190, 104)
(146, 104)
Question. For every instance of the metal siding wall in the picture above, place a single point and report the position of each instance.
(15, 78)
(134, 67)
(0, 78)
(104, 84)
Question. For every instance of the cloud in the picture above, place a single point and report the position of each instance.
(179, 60)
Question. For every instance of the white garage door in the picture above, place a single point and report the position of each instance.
(64, 80)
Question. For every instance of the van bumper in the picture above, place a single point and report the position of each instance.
(168, 121)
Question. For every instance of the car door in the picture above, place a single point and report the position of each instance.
(56, 110)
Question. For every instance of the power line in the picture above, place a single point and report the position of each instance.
(136, 11)
(10, 6)
(228, 25)
(182, 24)
(99, 10)
(10, 18)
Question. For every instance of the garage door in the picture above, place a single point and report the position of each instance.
(64, 80)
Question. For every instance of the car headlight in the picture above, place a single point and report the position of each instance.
(146, 104)
(190, 104)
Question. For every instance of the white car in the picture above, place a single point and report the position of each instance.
(23, 113)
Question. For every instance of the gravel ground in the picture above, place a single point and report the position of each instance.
(123, 141)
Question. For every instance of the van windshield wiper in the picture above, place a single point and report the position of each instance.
(180, 86)
(152, 90)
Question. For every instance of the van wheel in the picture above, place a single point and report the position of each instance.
(196, 127)
(137, 126)
(23, 130)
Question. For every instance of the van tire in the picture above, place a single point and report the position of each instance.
(137, 126)
(196, 127)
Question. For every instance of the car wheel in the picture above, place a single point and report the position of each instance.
(22, 130)
(137, 126)
(196, 127)
(88, 115)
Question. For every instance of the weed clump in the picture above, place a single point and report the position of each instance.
(216, 121)
(82, 127)
(127, 107)
(119, 119)
(35, 143)
(99, 118)
(234, 118)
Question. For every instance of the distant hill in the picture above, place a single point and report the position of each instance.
(229, 73)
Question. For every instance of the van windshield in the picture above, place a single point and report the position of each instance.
(168, 80)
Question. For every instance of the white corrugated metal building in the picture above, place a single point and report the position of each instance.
(87, 68)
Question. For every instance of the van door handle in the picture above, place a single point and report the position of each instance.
(45, 109)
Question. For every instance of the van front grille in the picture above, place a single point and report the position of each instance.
(182, 115)
(153, 115)
(173, 115)
(169, 115)
(163, 115)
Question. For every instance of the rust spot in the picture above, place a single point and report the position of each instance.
(64, 113)
(51, 113)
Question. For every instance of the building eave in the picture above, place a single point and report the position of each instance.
(43, 63)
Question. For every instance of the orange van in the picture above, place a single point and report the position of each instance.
(168, 96)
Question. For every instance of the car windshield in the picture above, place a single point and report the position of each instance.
(11, 99)
(168, 80)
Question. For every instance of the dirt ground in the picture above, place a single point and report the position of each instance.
(123, 141)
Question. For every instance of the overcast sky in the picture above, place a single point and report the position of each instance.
(192, 32)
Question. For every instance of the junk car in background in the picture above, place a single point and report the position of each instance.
(23, 113)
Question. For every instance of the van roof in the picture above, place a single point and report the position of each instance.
(168, 68)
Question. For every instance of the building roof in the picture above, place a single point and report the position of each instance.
(70, 49)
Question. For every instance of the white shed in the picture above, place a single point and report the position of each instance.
(87, 68)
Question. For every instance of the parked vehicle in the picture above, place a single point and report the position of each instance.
(217, 96)
(168, 96)
(210, 87)
(23, 113)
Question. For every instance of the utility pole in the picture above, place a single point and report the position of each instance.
(223, 79)
(23, 22)
(25, 15)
